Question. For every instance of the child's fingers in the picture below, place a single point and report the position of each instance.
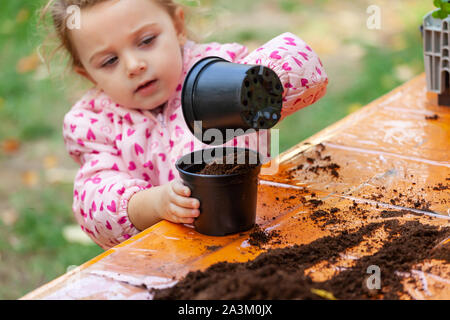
(185, 202)
(179, 188)
(180, 198)
(183, 213)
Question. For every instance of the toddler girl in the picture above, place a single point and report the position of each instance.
(128, 131)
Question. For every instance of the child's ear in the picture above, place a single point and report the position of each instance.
(179, 25)
(82, 72)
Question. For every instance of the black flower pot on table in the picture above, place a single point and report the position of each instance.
(227, 201)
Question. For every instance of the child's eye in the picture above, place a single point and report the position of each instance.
(147, 40)
(109, 62)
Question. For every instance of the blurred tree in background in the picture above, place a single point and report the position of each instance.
(39, 238)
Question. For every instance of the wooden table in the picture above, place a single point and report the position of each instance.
(386, 148)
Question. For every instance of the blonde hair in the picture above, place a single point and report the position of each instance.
(59, 15)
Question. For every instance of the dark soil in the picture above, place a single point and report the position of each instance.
(410, 198)
(280, 273)
(259, 237)
(315, 203)
(330, 168)
(441, 186)
(316, 163)
(236, 164)
(442, 253)
(433, 117)
(213, 248)
(329, 217)
(397, 213)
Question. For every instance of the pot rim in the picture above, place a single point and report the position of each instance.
(208, 176)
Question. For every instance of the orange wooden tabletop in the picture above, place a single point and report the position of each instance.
(393, 146)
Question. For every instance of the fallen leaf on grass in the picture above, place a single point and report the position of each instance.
(22, 15)
(11, 145)
(28, 64)
(30, 178)
(50, 162)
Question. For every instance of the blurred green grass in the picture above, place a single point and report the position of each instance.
(33, 250)
(28, 107)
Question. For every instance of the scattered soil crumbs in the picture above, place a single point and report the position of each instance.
(433, 117)
(318, 164)
(280, 273)
(290, 201)
(315, 203)
(441, 187)
(328, 217)
(230, 164)
(314, 160)
(394, 213)
(259, 237)
(331, 168)
(409, 198)
(213, 248)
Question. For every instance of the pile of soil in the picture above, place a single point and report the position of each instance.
(280, 273)
(442, 253)
(236, 163)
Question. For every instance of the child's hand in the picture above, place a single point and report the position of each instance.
(177, 206)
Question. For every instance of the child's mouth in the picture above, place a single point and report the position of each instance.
(146, 88)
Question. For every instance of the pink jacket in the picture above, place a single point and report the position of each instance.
(122, 151)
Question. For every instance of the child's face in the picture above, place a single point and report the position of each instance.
(124, 44)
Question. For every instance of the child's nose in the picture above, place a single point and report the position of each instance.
(135, 67)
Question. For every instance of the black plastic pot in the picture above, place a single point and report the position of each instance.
(225, 95)
(227, 202)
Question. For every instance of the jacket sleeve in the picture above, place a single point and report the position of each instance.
(232, 52)
(299, 68)
(102, 185)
